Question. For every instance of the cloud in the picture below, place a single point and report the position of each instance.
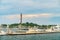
(45, 15)
(42, 15)
(39, 3)
(5, 7)
(40, 9)
(17, 16)
(12, 6)
(31, 3)
(36, 18)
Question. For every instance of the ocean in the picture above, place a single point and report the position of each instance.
(51, 36)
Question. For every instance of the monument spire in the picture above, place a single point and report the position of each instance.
(21, 18)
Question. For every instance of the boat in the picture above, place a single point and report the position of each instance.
(3, 33)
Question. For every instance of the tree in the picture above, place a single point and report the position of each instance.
(15, 25)
(44, 26)
(4, 25)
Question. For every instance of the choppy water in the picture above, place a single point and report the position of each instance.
(52, 36)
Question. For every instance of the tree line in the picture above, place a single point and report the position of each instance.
(27, 24)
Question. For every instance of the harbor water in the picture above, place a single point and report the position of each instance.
(51, 36)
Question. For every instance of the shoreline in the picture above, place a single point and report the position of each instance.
(33, 33)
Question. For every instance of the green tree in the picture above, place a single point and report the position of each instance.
(15, 25)
(4, 25)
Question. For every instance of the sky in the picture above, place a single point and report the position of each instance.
(36, 11)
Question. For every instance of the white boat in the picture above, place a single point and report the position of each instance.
(2, 33)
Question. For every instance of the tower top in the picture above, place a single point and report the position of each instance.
(21, 18)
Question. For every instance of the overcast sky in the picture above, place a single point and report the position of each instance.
(36, 11)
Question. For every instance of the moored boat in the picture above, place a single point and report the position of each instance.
(3, 33)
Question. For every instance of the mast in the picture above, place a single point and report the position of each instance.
(7, 28)
(9, 31)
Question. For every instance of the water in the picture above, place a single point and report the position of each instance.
(52, 36)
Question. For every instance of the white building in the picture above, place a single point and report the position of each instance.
(54, 29)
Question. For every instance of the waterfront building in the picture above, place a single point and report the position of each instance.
(56, 28)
